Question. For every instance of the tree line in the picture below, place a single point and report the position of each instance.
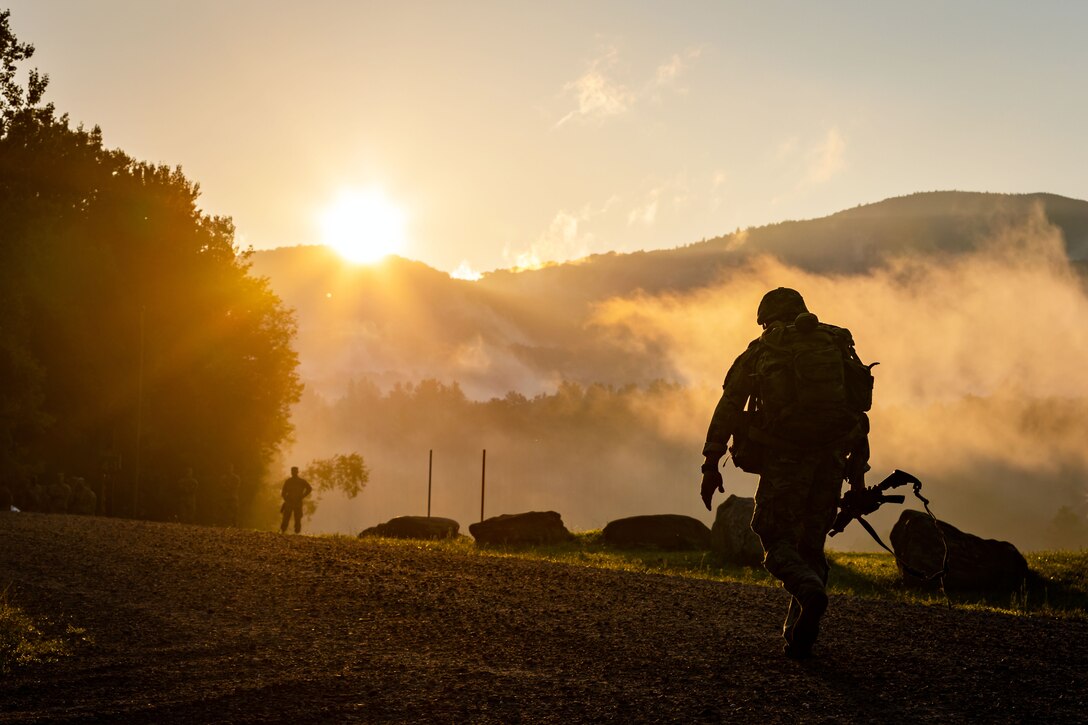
(593, 452)
(134, 343)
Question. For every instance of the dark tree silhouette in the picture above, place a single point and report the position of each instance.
(127, 314)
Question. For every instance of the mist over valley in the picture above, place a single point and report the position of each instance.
(591, 383)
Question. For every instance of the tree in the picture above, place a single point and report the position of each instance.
(346, 473)
(133, 337)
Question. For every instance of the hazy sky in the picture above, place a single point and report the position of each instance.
(558, 129)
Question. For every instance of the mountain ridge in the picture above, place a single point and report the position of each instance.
(404, 320)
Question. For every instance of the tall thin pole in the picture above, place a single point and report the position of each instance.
(430, 469)
(483, 483)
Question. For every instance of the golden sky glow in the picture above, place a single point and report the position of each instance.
(363, 226)
(517, 131)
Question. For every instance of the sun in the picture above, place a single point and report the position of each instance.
(363, 226)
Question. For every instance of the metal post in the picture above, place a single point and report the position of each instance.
(483, 483)
(430, 469)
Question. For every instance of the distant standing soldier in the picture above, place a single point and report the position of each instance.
(295, 489)
(187, 488)
(84, 500)
(229, 485)
(59, 494)
(36, 497)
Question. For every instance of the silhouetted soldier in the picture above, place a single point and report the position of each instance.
(84, 500)
(36, 497)
(59, 494)
(802, 421)
(294, 490)
(229, 485)
(187, 488)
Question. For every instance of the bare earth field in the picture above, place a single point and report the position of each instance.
(190, 624)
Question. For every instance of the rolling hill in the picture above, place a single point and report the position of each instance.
(172, 623)
(526, 330)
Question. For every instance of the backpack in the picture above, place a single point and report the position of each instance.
(812, 389)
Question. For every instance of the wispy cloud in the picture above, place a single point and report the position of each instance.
(787, 148)
(806, 163)
(564, 239)
(669, 195)
(669, 73)
(717, 188)
(645, 213)
(600, 95)
(827, 158)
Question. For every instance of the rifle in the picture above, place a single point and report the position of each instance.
(856, 503)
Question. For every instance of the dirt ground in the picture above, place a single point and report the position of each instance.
(191, 624)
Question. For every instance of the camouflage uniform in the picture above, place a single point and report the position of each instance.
(798, 492)
(796, 502)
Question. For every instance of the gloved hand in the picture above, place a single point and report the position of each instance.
(712, 480)
(861, 502)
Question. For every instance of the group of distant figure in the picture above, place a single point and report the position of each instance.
(187, 502)
(60, 496)
(219, 505)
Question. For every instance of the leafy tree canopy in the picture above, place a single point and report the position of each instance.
(346, 473)
(134, 343)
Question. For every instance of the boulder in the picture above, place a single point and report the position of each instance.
(415, 527)
(665, 531)
(532, 527)
(974, 564)
(731, 538)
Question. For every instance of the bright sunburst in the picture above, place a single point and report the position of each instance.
(363, 226)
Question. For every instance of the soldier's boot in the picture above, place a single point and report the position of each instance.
(791, 619)
(813, 603)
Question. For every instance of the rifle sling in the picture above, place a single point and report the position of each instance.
(906, 567)
(940, 573)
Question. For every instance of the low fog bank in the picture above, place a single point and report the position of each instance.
(980, 392)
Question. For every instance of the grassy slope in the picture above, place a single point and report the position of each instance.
(1059, 585)
(23, 642)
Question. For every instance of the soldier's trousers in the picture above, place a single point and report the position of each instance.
(796, 502)
(290, 509)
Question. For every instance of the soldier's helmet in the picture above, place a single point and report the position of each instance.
(780, 305)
